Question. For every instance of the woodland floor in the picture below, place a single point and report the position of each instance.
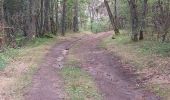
(75, 67)
(105, 69)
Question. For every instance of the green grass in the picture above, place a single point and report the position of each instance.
(78, 83)
(142, 55)
(2, 63)
(39, 41)
(155, 47)
(144, 46)
(99, 26)
(7, 56)
(11, 53)
(161, 91)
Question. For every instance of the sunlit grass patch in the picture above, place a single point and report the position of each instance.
(79, 84)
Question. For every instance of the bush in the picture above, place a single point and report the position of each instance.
(99, 26)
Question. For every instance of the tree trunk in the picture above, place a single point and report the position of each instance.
(111, 18)
(57, 22)
(46, 16)
(143, 20)
(64, 18)
(115, 11)
(75, 18)
(42, 18)
(134, 19)
(52, 22)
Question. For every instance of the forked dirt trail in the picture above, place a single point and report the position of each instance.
(105, 69)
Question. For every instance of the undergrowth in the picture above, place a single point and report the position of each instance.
(144, 46)
(10, 54)
(7, 56)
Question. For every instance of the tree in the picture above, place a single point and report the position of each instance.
(143, 20)
(115, 12)
(113, 22)
(161, 16)
(46, 15)
(134, 19)
(56, 14)
(75, 18)
(64, 17)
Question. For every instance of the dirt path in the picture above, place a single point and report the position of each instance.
(111, 80)
(102, 66)
(47, 83)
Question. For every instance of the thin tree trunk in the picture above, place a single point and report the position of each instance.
(115, 11)
(57, 22)
(64, 18)
(111, 18)
(46, 15)
(75, 18)
(52, 23)
(143, 22)
(42, 18)
(134, 19)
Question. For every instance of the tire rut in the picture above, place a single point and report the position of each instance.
(106, 70)
(47, 83)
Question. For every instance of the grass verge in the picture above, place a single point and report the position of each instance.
(150, 59)
(78, 83)
(11, 54)
(19, 65)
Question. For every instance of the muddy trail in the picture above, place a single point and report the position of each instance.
(113, 82)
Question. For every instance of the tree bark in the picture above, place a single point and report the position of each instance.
(115, 27)
(42, 18)
(143, 20)
(134, 19)
(46, 16)
(75, 18)
(57, 22)
(64, 18)
(115, 11)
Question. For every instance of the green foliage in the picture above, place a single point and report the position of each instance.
(2, 63)
(10, 53)
(146, 46)
(99, 26)
(155, 47)
(39, 41)
(7, 56)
